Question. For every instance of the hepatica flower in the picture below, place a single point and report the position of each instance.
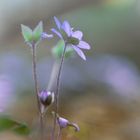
(72, 38)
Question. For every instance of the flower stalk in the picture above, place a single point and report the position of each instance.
(33, 48)
(59, 134)
(57, 91)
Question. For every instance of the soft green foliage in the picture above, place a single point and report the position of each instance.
(38, 31)
(22, 129)
(32, 36)
(6, 123)
(58, 50)
(27, 33)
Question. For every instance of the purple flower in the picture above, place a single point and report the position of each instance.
(72, 38)
(46, 98)
(63, 123)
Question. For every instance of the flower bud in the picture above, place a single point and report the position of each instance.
(63, 123)
(46, 98)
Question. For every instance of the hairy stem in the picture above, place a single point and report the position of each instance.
(36, 88)
(57, 92)
(59, 134)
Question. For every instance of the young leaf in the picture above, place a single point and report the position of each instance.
(22, 129)
(38, 31)
(27, 33)
(6, 123)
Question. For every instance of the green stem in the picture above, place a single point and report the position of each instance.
(59, 134)
(36, 88)
(57, 92)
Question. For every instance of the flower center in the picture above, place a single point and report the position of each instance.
(73, 40)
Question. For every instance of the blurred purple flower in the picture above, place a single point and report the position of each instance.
(6, 92)
(72, 38)
(63, 123)
(118, 73)
(122, 76)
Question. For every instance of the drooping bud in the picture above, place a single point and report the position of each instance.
(46, 98)
(63, 123)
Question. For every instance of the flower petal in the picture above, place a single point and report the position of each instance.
(83, 45)
(79, 52)
(56, 32)
(57, 22)
(77, 34)
(45, 35)
(66, 27)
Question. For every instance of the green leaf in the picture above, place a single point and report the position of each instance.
(27, 33)
(22, 129)
(38, 31)
(6, 123)
(58, 50)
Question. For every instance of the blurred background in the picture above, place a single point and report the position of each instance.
(102, 95)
